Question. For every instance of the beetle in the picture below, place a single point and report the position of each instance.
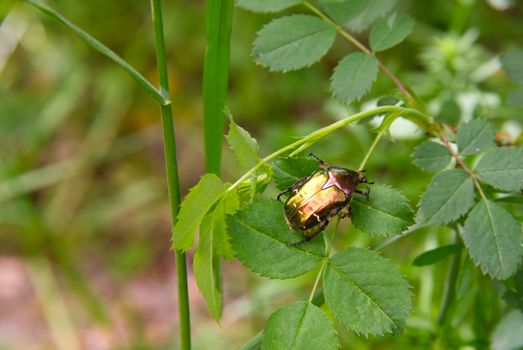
(314, 199)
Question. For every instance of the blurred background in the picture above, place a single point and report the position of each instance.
(85, 260)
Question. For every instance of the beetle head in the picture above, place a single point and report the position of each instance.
(362, 178)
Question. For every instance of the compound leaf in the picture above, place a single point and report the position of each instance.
(260, 238)
(293, 42)
(502, 168)
(389, 32)
(475, 137)
(228, 205)
(299, 326)
(264, 6)
(493, 238)
(449, 195)
(287, 171)
(244, 147)
(343, 10)
(194, 207)
(353, 77)
(385, 211)
(374, 10)
(366, 292)
(203, 268)
(431, 156)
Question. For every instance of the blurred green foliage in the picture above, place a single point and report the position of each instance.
(81, 169)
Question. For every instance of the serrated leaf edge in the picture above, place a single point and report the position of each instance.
(255, 270)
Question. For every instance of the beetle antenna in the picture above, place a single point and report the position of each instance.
(322, 163)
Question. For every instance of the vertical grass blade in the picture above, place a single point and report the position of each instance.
(173, 183)
(218, 24)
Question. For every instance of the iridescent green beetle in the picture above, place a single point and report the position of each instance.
(316, 198)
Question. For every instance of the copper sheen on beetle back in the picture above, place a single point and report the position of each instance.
(314, 199)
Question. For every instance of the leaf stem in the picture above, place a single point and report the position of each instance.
(320, 133)
(387, 121)
(462, 164)
(173, 183)
(450, 290)
(158, 95)
(404, 91)
(324, 262)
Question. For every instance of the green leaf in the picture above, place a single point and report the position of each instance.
(511, 62)
(449, 113)
(260, 238)
(475, 137)
(385, 212)
(493, 238)
(262, 179)
(366, 292)
(299, 326)
(353, 77)
(388, 101)
(508, 334)
(431, 156)
(192, 210)
(434, 255)
(203, 268)
(293, 42)
(228, 205)
(449, 195)
(244, 147)
(264, 6)
(343, 10)
(502, 168)
(288, 171)
(389, 32)
(375, 9)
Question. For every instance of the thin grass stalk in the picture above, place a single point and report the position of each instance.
(218, 24)
(173, 184)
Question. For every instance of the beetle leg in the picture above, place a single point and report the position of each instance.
(363, 193)
(283, 192)
(308, 238)
(348, 214)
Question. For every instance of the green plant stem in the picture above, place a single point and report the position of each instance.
(173, 184)
(104, 50)
(450, 290)
(462, 164)
(403, 89)
(218, 25)
(387, 121)
(308, 140)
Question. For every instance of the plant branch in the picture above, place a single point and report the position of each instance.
(382, 129)
(320, 133)
(450, 290)
(461, 163)
(173, 183)
(158, 95)
(403, 89)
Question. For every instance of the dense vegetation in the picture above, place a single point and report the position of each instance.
(427, 97)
